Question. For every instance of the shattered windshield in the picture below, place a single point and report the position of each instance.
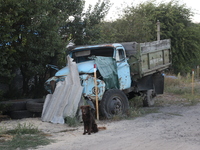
(88, 54)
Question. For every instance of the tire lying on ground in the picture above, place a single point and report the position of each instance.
(20, 114)
(35, 105)
(14, 105)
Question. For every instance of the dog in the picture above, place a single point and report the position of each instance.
(88, 116)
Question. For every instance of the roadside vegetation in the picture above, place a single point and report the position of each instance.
(182, 89)
(22, 136)
(34, 34)
(178, 90)
(136, 109)
(34, 37)
(72, 122)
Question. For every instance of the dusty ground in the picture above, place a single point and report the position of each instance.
(174, 127)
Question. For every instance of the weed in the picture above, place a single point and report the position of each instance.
(25, 142)
(3, 129)
(134, 112)
(184, 88)
(136, 109)
(24, 136)
(174, 114)
(136, 102)
(72, 122)
(192, 99)
(24, 129)
(179, 91)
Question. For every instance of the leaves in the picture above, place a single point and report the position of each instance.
(138, 23)
(36, 33)
(30, 36)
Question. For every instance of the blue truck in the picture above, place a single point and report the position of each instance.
(123, 70)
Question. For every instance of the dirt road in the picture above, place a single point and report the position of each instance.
(174, 127)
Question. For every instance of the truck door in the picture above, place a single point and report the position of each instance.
(123, 69)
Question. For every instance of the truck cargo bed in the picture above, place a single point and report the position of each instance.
(148, 58)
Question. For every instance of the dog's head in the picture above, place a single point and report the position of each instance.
(85, 109)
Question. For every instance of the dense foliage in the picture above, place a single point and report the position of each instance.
(36, 33)
(138, 23)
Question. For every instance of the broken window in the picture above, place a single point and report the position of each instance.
(120, 55)
(88, 54)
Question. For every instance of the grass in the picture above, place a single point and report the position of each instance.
(183, 88)
(72, 122)
(22, 136)
(177, 91)
(136, 109)
(24, 129)
(174, 114)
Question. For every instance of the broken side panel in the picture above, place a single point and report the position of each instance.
(87, 81)
(123, 69)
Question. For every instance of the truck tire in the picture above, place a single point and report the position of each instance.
(114, 102)
(20, 114)
(149, 98)
(35, 105)
(14, 105)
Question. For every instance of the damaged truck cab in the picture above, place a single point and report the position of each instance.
(124, 70)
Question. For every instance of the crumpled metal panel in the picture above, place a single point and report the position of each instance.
(65, 99)
(47, 84)
(83, 67)
(89, 87)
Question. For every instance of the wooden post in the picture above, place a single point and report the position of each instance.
(158, 30)
(193, 82)
(96, 91)
(197, 74)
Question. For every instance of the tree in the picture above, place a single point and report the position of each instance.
(138, 23)
(36, 33)
(32, 36)
(84, 29)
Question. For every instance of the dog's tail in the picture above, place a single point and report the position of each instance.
(102, 128)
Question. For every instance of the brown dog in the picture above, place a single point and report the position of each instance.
(88, 116)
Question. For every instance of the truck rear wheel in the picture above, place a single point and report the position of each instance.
(149, 98)
(114, 102)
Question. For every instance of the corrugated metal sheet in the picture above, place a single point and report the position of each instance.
(65, 99)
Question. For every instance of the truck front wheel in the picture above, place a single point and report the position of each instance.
(114, 102)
